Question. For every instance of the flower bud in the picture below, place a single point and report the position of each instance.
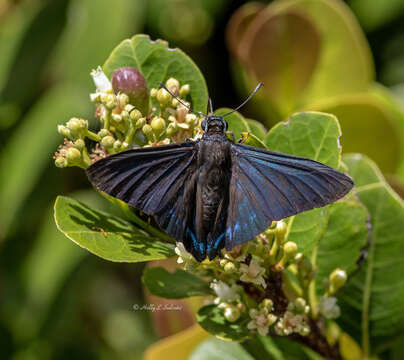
(107, 141)
(281, 228)
(153, 92)
(79, 144)
(63, 130)
(117, 145)
(128, 108)
(290, 249)
(135, 115)
(101, 81)
(163, 97)
(116, 117)
(271, 318)
(103, 132)
(172, 129)
(230, 267)
(130, 81)
(158, 125)
(110, 101)
(73, 124)
(267, 304)
(148, 131)
(337, 279)
(174, 102)
(173, 85)
(231, 313)
(60, 162)
(184, 91)
(123, 100)
(190, 119)
(300, 305)
(223, 262)
(140, 122)
(73, 155)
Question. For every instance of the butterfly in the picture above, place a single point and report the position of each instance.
(211, 193)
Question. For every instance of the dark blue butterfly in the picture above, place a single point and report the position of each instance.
(211, 193)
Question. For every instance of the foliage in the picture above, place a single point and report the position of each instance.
(60, 301)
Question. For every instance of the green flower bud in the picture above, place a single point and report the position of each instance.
(123, 99)
(231, 313)
(337, 279)
(173, 84)
(129, 108)
(271, 319)
(298, 258)
(60, 162)
(73, 124)
(148, 131)
(305, 330)
(190, 119)
(158, 125)
(110, 101)
(79, 144)
(103, 132)
(124, 115)
(172, 130)
(117, 145)
(174, 102)
(141, 122)
(163, 97)
(290, 249)
(107, 141)
(73, 155)
(281, 228)
(135, 115)
(300, 305)
(184, 91)
(267, 304)
(230, 267)
(117, 118)
(63, 130)
(153, 92)
(223, 262)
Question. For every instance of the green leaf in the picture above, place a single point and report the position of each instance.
(313, 135)
(272, 46)
(376, 122)
(257, 128)
(341, 38)
(177, 285)
(237, 123)
(372, 301)
(211, 318)
(252, 140)
(157, 62)
(106, 236)
(216, 349)
(340, 245)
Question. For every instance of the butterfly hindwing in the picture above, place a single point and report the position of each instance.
(160, 181)
(267, 186)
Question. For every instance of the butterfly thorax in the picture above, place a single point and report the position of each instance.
(214, 164)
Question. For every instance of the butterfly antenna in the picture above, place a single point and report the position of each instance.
(210, 106)
(180, 101)
(246, 100)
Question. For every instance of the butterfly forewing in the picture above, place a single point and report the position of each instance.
(267, 186)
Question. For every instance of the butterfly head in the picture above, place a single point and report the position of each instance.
(214, 124)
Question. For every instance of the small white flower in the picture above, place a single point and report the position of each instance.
(261, 321)
(101, 80)
(253, 273)
(329, 308)
(225, 292)
(291, 323)
(183, 255)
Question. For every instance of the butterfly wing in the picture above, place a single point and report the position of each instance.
(160, 181)
(267, 186)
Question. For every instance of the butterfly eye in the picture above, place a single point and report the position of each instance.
(204, 125)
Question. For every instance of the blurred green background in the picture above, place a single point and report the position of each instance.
(58, 301)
